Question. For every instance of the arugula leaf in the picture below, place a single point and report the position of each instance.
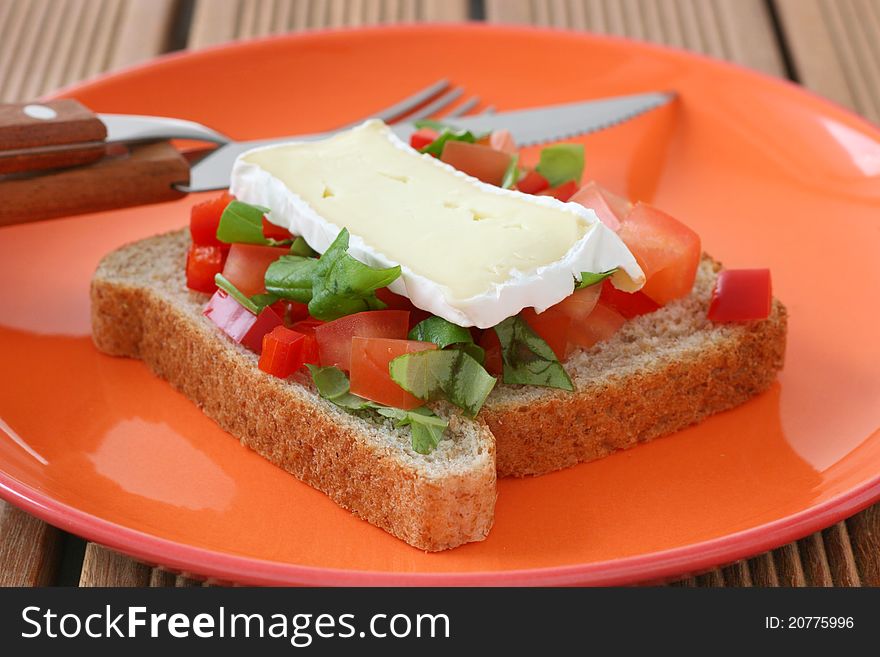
(561, 162)
(439, 331)
(527, 358)
(448, 134)
(589, 278)
(436, 374)
(242, 223)
(446, 334)
(342, 285)
(426, 428)
(301, 248)
(290, 277)
(511, 175)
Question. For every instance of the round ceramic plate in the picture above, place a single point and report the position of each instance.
(768, 175)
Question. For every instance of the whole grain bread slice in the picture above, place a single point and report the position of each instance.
(141, 308)
(659, 373)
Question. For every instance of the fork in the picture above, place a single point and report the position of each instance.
(429, 101)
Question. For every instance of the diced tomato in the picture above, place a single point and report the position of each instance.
(310, 346)
(280, 307)
(399, 302)
(205, 217)
(422, 137)
(334, 338)
(533, 183)
(307, 326)
(667, 251)
(238, 322)
(476, 160)
(580, 303)
(273, 232)
(627, 304)
(246, 266)
(282, 352)
(502, 140)
(370, 377)
(562, 192)
(492, 346)
(741, 295)
(298, 311)
(552, 326)
(202, 264)
(601, 324)
(610, 208)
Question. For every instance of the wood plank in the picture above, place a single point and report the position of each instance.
(30, 550)
(737, 30)
(218, 21)
(87, 37)
(104, 567)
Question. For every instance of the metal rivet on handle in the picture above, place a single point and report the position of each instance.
(40, 112)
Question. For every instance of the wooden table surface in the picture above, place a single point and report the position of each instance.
(830, 46)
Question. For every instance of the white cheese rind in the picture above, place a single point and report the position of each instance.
(599, 249)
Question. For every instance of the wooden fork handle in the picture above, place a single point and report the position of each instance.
(125, 176)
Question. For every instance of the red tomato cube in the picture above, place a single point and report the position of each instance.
(600, 325)
(533, 183)
(490, 343)
(370, 378)
(502, 140)
(282, 352)
(202, 264)
(610, 208)
(476, 160)
(273, 232)
(335, 338)
(552, 327)
(741, 295)
(562, 192)
(422, 137)
(205, 217)
(666, 250)
(627, 304)
(246, 266)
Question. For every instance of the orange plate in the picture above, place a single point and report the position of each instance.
(767, 174)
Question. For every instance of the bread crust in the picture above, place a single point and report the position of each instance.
(429, 508)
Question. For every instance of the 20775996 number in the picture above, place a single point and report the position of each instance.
(808, 622)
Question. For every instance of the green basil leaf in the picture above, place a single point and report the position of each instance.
(511, 175)
(437, 374)
(242, 223)
(439, 126)
(475, 351)
(561, 162)
(589, 278)
(342, 285)
(301, 248)
(527, 359)
(448, 134)
(225, 284)
(439, 331)
(426, 428)
(290, 277)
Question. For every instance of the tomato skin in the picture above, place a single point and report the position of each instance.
(533, 183)
(552, 326)
(580, 303)
(310, 346)
(298, 311)
(205, 217)
(476, 160)
(610, 208)
(562, 192)
(335, 338)
(370, 378)
(246, 266)
(492, 346)
(273, 232)
(741, 295)
(202, 264)
(282, 352)
(502, 140)
(627, 304)
(422, 137)
(600, 325)
(666, 250)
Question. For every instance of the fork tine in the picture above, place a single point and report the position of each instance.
(394, 112)
(464, 108)
(435, 106)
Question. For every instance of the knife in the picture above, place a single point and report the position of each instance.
(101, 162)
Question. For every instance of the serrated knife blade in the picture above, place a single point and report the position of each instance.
(528, 127)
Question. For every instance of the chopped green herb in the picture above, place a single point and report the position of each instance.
(446, 334)
(450, 374)
(290, 277)
(301, 248)
(449, 134)
(511, 175)
(561, 162)
(526, 358)
(255, 304)
(589, 278)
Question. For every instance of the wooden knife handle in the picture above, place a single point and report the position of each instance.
(134, 175)
(48, 135)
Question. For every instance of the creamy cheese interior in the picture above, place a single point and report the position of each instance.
(420, 215)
